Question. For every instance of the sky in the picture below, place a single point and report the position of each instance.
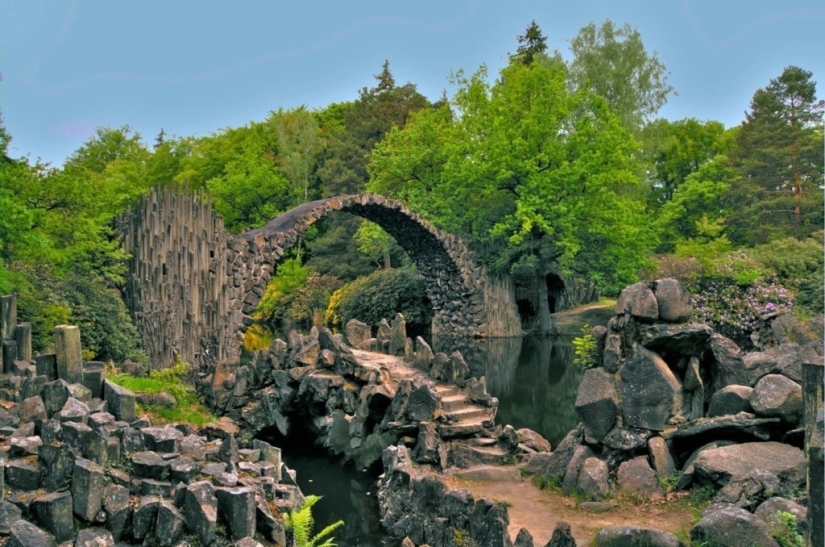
(195, 67)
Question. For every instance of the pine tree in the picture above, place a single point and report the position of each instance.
(779, 158)
(532, 43)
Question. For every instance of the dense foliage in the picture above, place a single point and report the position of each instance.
(381, 295)
(549, 164)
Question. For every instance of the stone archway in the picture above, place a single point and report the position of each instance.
(455, 283)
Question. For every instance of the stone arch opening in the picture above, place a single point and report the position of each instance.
(454, 283)
(555, 292)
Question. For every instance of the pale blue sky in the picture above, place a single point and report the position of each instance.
(195, 67)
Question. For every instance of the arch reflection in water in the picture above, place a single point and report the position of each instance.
(534, 379)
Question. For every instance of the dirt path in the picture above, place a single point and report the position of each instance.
(571, 321)
(540, 510)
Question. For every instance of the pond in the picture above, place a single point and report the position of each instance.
(535, 382)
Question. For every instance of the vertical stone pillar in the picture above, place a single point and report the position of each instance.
(813, 392)
(94, 372)
(45, 365)
(67, 353)
(9, 354)
(23, 335)
(8, 316)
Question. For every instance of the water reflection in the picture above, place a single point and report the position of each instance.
(534, 379)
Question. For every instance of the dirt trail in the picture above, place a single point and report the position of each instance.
(540, 510)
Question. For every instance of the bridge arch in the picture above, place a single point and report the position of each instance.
(455, 284)
(191, 287)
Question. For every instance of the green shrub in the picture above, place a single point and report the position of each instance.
(586, 348)
(300, 523)
(381, 295)
(798, 265)
(786, 533)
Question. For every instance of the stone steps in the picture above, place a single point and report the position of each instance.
(453, 402)
(482, 441)
(446, 391)
(468, 413)
(466, 455)
(461, 429)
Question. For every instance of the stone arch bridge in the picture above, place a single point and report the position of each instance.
(192, 287)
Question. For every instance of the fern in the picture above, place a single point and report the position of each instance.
(586, 348)
(301, 524)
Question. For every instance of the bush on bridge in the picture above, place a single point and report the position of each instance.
(381, 295)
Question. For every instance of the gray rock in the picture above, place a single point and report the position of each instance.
(688, 470)
(769, 511)
(747, 491)
(776, 395)
(152, 487)
(150, 465)
(117, 508)
(398, 335)
(170, 524)
(574, 466)
(20, 447)
(523, 538)
(649, 390)
(660, 456)
(193, 447)
(357, 333)
(727, 367)
(22, 475)
(683, 338)
(93, 374)
(612, 352)
(558, 461)
(626, 438)
(636, 477)
(201, 510)
(533, 440)
(67, 351)
(597, 402)
(236, 508)
(33, 409)
(732, 527)
(9, 514)
(427, 444)
(562, 536)
(79, 392)
(424, 404)
(535, 462)
(145, 517)
(53, 513)
(228, 452)
(76, 433)
(593, 479)
(622, 536)
(94, 537)
(424, 355)
(720, 465)
(639, 301)
(58, 466)
(674, 301)
(161, 399)
(182, 470)
(88, 481)
(121, 401)
(55, 394)
(26, 534)
(731, 399)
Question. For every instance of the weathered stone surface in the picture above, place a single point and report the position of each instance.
(53, 513)
(398, 335)
(93, 374)
(684, 338)
(674, 301)
(145, 517)
(524, 538)
(732, 527)
(67, 353)
(117, 508)
(533, 440)
(593, 479)
(574, 466)
(20, 447)
(649, 390)
(636, 477)
(660, 457)
(597, 402)
(55, 394)
(170, 524)
(88, 481)
(357, 333)
(731, 399)
(236, 507)
(612, 352)
(74, 411)
(639, 301)
(557, 463)
(623, 536)
(121, 401)
(424, 404)
(769, 511)
(776, 395)
(33, 409)
(26, 534)
(562, 536)
(427, 444)
(58, 466)
(201, 510)
(132, 440)
(150, 465)
(94, 537)
(9, 514)
(22, 475)
(719, 465)
(162, 439)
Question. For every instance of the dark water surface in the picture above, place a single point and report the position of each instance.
(535, 382)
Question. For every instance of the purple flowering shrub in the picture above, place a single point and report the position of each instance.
(735, 295)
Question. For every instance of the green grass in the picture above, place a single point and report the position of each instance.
(188, 409)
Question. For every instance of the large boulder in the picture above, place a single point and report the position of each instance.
(639, 301)
(357, 333)
(776, 395)
(719, 465)
(593, 479)
(636, 477)
(650, 392)
(770, 510)
(726, 367)
(674, 301)
(731, 399)
(597, 402)
(684, 338)
(732, 527)
(622, 536)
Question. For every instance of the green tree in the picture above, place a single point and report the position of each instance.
(531, 44)
(613, 62)
(298, 147)
(779, 157)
